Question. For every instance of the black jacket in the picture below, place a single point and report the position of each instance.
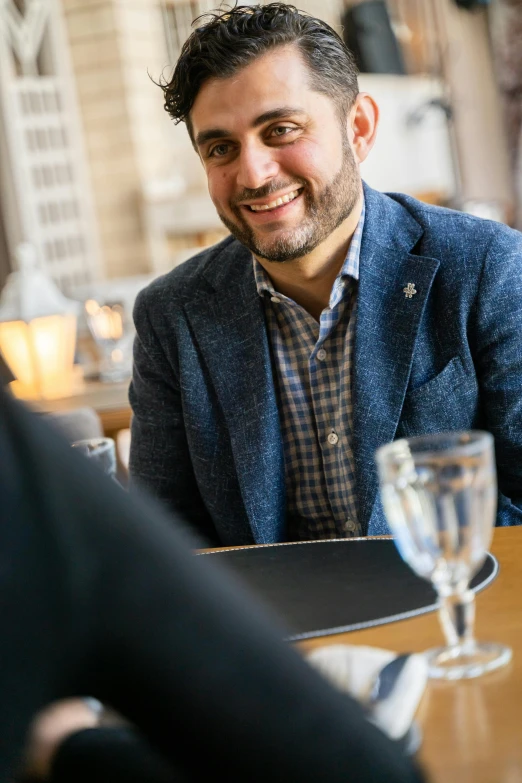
(100, 596)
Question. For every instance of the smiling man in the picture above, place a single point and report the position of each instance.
(270, 367)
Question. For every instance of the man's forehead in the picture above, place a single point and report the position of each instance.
(268, 83)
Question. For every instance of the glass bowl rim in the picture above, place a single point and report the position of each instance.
(477, 440)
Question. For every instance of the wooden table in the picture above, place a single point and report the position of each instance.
(473, 729)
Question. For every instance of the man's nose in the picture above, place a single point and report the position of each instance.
(257, 165)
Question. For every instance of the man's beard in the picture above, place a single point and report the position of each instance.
(323, 214)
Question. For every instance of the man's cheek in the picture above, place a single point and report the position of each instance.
(306, 158)
(213, 192)
(218, 188)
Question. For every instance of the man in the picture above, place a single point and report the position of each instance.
(269, 368)
(101, 596)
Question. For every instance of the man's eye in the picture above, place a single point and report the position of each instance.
(282, 130)
(218, 151)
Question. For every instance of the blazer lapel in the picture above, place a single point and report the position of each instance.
(388, 319)
(229, 330)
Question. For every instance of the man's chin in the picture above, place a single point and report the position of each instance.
(281, 246)
(277, 248)
(277, 256)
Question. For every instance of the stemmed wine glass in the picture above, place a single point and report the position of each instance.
(113, 332)
(439, 494)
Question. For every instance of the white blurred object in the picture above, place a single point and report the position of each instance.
(159, 189)
(100, 452)
(29, 292)
(45, 190)
(490, 210)
(410, 157)
(354, 670)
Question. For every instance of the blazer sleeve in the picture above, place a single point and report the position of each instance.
(160, 461)
(498, 358)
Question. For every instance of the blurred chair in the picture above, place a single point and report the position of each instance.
(77, 424)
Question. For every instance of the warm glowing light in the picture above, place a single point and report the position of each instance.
(106, 322)
(92, 306)
(41, 355)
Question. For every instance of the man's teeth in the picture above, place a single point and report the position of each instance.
(276, 203)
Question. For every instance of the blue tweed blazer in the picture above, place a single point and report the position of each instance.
(205, 433)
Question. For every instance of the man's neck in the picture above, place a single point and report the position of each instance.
(308, 280)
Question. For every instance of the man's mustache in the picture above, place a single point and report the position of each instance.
(266, 190)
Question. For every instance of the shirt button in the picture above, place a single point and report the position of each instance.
(321, 354)
(333, 438)
(275, 299)
(351, 526)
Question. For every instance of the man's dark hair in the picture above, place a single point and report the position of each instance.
(228, 40)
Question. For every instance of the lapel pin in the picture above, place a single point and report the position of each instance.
(409, 291)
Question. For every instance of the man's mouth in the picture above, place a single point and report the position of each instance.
(278, 202)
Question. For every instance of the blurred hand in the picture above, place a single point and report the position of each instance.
(50, 728)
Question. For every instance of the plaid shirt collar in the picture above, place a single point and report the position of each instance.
(349, 269)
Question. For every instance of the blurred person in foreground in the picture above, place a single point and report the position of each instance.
(270, 367)
(100, 595)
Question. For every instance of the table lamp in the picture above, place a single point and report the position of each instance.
(37, 331)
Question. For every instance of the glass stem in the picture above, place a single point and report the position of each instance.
(457, 617)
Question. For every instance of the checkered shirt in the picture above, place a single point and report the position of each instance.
(313, 385)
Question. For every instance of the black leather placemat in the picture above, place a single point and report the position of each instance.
(326, 587)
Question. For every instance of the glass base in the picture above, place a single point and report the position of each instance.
(460, 663)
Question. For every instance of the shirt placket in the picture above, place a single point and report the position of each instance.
(323, 369)
(344, 502)
(302, 332)
(326, 371)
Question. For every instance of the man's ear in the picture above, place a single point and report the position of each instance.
(362, 125)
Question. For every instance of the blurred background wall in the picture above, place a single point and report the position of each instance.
(110, 193)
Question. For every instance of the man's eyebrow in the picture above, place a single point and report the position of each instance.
(210, 135)
(220, 133)
(277, 114)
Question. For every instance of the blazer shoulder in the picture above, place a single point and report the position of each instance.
(448, 233)
(455, 222)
